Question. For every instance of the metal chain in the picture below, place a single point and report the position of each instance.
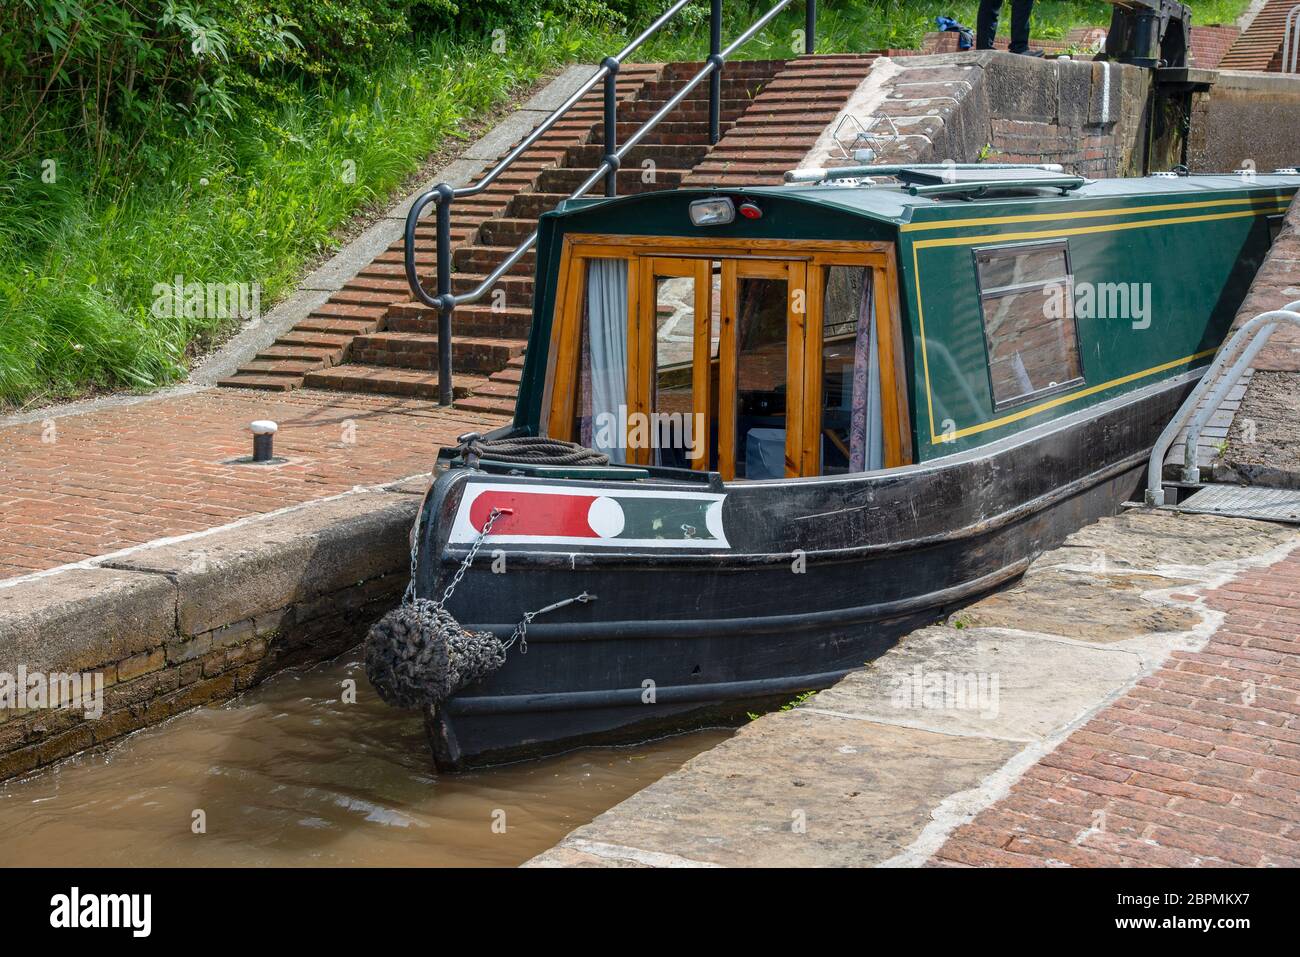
(409, 596)
(473, 551)
(521, 630)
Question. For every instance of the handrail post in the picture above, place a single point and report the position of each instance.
(715, 78)
(810, 27)
(446, 301)
(1291, 41)
(1155, 493)
(611, 126)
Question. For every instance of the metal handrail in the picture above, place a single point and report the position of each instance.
(1291, 42)
(1245, 336)
(444, 194)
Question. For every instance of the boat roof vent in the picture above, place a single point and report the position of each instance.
(968, 180)
(973, 181)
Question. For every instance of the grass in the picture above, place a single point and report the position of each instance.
(858, 25)
(254, 202)
(251, 205)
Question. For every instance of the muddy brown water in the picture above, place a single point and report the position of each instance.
(290, 775)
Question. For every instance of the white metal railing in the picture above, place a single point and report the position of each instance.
(1252, 336)
(1291, 42)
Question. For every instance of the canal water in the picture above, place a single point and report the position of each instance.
(288, 774)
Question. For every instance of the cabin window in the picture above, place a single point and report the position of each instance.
(759, 359)
(762, 385)
(1026, 299)
(852, 437)
(684, 311)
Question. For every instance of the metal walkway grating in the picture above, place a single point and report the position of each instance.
(1246, 501)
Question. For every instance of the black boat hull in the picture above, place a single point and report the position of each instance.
(818, 577)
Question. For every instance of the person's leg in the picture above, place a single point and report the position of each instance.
(986, 23)
(1020, 13)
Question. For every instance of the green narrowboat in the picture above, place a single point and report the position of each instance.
(831, 411)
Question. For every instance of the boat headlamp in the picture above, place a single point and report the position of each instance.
(715, 211)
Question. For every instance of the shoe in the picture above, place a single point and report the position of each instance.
(1029, 52)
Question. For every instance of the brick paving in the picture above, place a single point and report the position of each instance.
(1198, 765)
(73, 487)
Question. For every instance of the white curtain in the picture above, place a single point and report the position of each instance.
(607, 342)
(866, 426)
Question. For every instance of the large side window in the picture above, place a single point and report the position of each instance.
(1026, 298)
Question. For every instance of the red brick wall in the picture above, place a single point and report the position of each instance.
(1209, 44)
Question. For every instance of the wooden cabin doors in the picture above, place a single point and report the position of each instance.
(750, 360)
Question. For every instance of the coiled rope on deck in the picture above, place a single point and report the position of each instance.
(526, 450)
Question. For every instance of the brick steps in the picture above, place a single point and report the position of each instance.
(419, 350)
(372, 337)
(266, 383)
(1259, 48)
(384, 380)
(629, 181)
(513, 290)
(490, 404)
(484, 258)
(783, 123)
(507, 322)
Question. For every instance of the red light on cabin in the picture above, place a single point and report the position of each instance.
(750, 210)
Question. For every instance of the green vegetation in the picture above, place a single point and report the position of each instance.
(185, 145)
(226, 142)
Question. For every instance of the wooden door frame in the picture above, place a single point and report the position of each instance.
(641, 373)
(803, 453)
(794, 273)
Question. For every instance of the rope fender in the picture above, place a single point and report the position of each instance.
(418, 655)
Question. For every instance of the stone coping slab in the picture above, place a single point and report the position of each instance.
(82, 618)
(265, 565)
(193, 621)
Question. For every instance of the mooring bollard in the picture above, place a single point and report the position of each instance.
(263, 438)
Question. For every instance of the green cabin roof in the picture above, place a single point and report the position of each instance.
(895, 205)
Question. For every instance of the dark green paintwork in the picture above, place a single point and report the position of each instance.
(1199, 269)
(648, 518)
